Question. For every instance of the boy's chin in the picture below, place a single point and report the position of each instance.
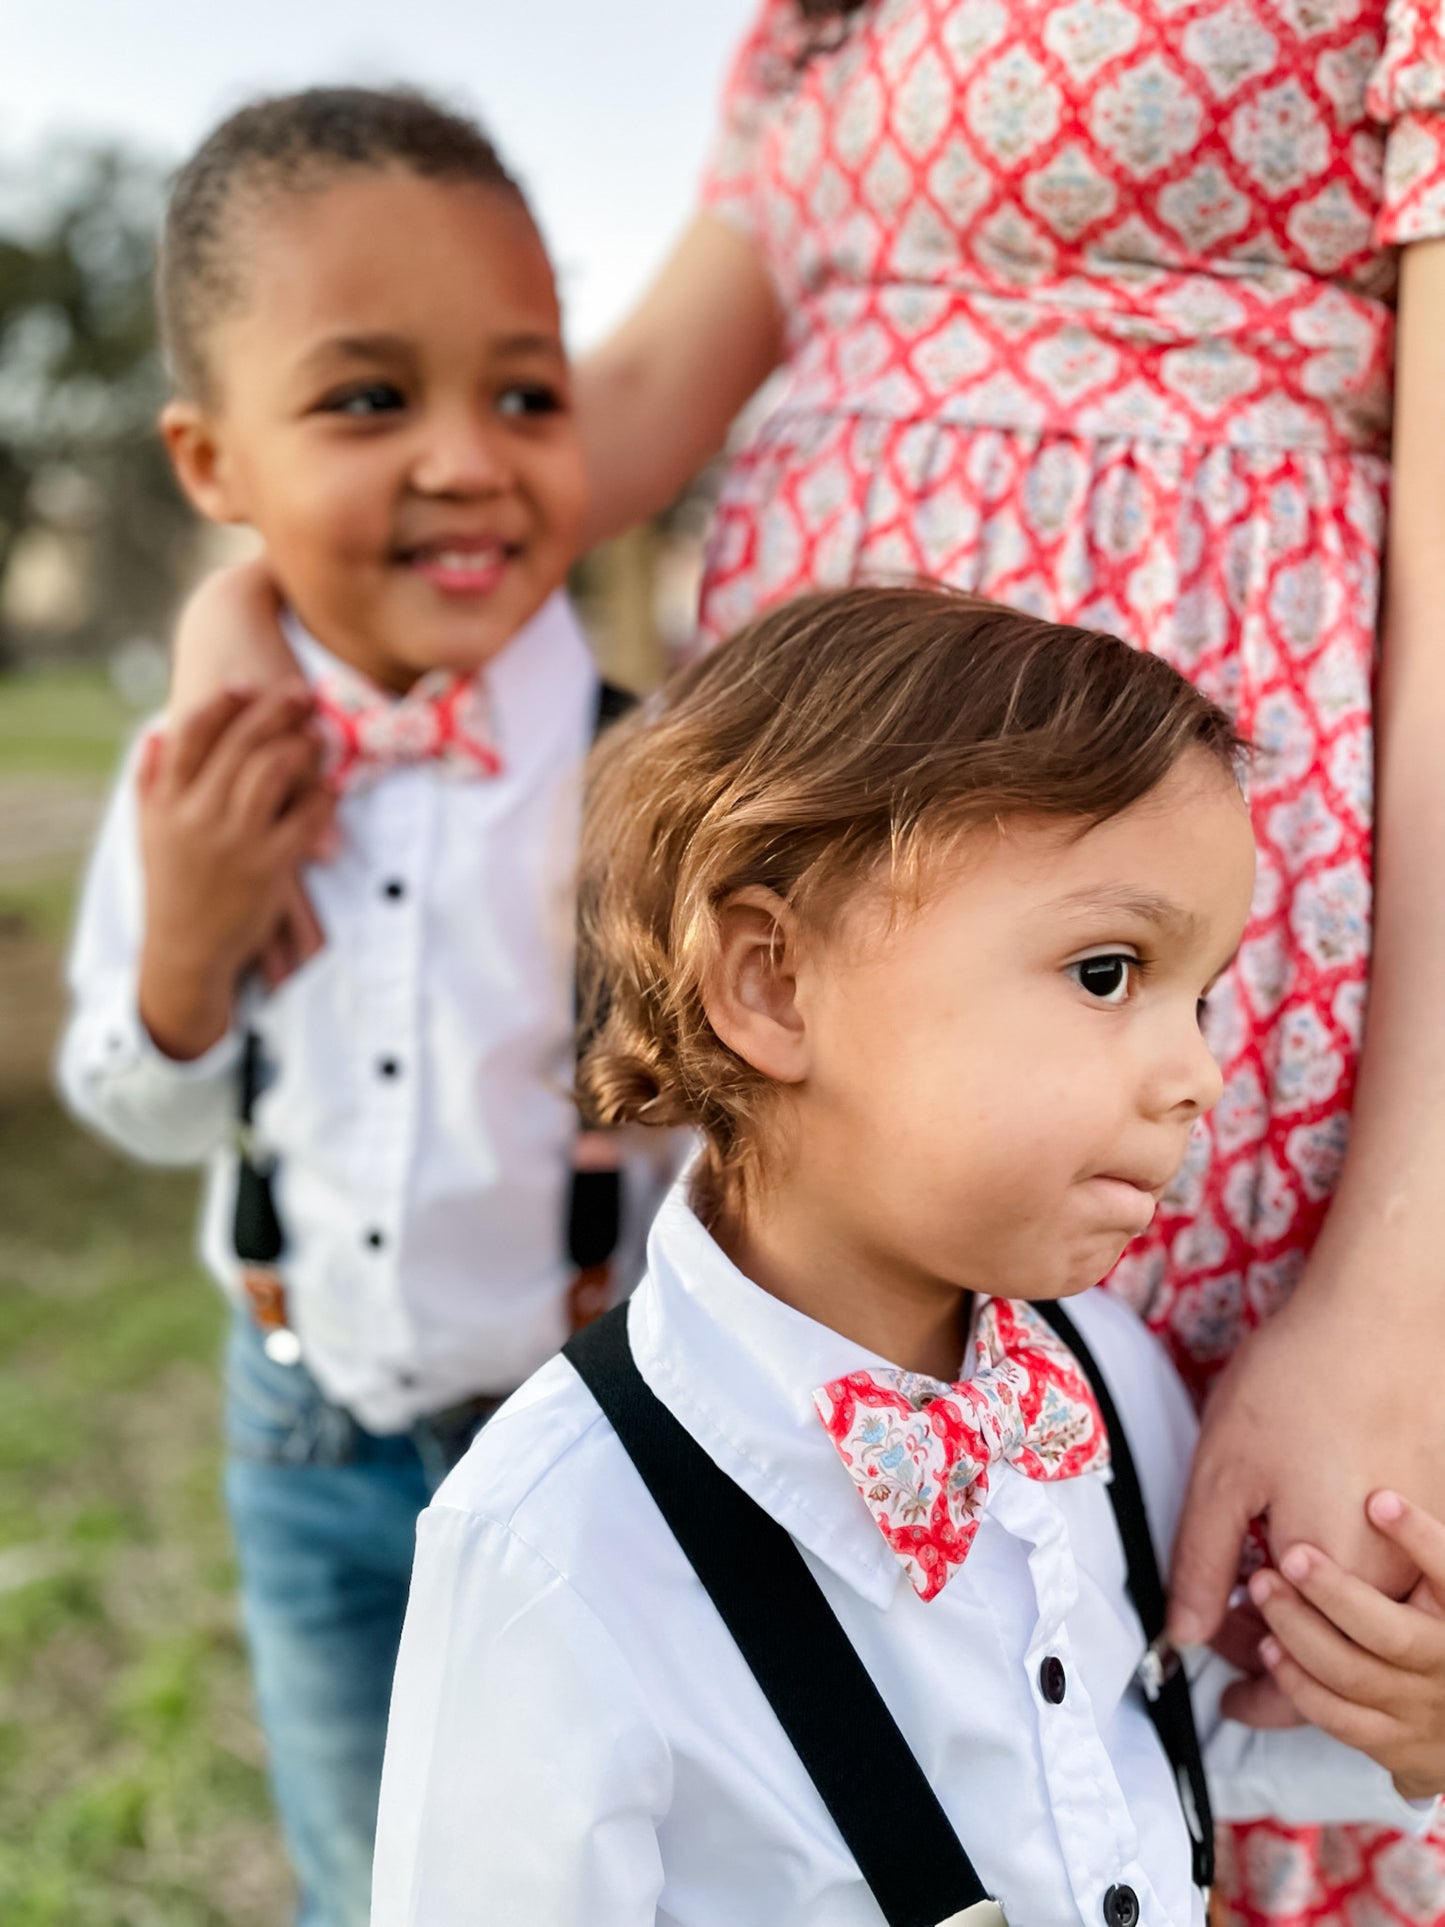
(1085, 1270)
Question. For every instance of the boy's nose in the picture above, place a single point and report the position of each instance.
(1187, 1079)
(461, 456)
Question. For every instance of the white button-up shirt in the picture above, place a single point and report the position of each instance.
(575, 1739)
(422, 1061)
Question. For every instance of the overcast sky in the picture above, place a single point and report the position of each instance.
(604, 111)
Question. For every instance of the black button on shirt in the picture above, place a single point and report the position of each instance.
(393, 888)
(1053, 1680)
(1121, 1907)
(388, 1066)
(375, 1239)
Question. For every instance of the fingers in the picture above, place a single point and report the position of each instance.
(277, 959)
(1416, 1532)
(1373, 1621)
(307, 936)
(274, 778)
(1363, 1727)
(1218, 1507)
(278, 713)
(193, 740)
(152, 758)
(1317, 1645)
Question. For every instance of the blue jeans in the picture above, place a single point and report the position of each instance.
(324, 1514)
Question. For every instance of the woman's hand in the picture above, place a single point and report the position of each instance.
(1339, 1394)
(1366, 1669)
(1318, 1409)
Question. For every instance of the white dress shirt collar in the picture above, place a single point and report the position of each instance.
(738, 1368)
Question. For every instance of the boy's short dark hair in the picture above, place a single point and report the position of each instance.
(291, 144)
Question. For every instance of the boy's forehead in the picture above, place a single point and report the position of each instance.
(385, 254)
(1178, 860)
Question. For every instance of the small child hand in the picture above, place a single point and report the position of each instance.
(295, 937)
(1365, 1668)
(230, 803)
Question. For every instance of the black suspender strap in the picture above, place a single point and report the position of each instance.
(1167, 1698)
(883, 1806)
(257, 1229)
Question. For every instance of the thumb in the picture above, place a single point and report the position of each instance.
(148, 769)
(1204, 1571)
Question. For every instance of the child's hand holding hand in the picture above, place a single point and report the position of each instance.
(229, 635)
(1365, 1668)
(231, 804)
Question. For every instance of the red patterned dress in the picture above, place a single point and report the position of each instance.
(1090, 307)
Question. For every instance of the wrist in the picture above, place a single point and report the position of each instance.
(1388, 1263)
(185, 1004)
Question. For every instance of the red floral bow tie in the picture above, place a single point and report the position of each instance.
(443, 718)
(920, 1451)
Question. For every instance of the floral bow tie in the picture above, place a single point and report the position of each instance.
(919, 1451)
(443, 718)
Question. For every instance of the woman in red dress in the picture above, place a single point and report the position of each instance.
(1093, 307)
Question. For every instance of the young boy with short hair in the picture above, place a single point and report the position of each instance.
(364, 331)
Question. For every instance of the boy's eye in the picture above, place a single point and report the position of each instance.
(529, 398)
(370, 398)
(1106, 978)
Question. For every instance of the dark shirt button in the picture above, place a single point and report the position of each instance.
(406, 1380)
(375, 1239)
(388, 1066)
(1121, 1907)
(1053, 1680)
(394, 888)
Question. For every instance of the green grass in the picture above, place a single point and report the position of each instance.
(130, 1784)
(61, 722)
(131, 1789)
(43, 905)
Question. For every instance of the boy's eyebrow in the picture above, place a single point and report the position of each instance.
(359, 348)
(525, 344)
(1119, 899)
(386, 347)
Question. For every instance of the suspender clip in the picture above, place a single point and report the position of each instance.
(1160, 1663)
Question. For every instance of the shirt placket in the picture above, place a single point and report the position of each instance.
(388, 1039)
(1099, 1839)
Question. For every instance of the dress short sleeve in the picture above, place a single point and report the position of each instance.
(763, 74)
(1407, 97)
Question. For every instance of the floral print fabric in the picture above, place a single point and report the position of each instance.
(1090, 308)
(443, 718)
(919, 1451)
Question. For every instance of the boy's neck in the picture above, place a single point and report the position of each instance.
(917, 1322)
(396, 681)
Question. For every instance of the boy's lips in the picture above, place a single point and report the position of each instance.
(462, 568)
(1133, 1199)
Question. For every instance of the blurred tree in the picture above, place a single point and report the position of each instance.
(81, 379)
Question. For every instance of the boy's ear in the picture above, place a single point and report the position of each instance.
(751, 992)
(199, 459)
